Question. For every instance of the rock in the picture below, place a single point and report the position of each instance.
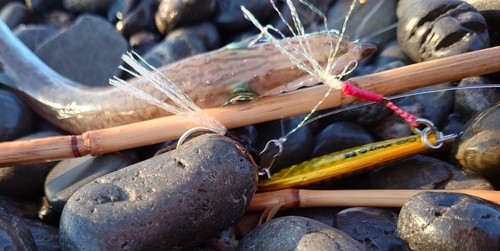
(16, 118)
(46, 212)
(490, 10)
(15, 13)
(309, 18)
(339, 136)
(70, 175)
(119, 9)
(422, 172)
(297, 233)
(325, 215)
(14, 232)
(36, 6)
(375, 228)
(142, 42)
(26, 180)
(477, 147)
(94, 6)
(229, 16)
(34, 35)
(430, 29)
(468, 102)
(46, 236)
(448, 221)
(88, 52)
(140, 19)
(206, 31)
(175, 200)
(172, 13)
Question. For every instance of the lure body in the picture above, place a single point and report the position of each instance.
(211, 79)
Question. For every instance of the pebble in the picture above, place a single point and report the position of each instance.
(14, 232)
(175, 200)
(36, 6)
(16, 118)
(172, 13)
(140, 19)
(46, 236)
(468, 102)
(229, 16)
(34, 35)
(141, 42)
(477, 147)
(375, 228)
(423, 172)
(94, 6)
(70, 175)
(76, 54)
(309, 18)
(297, 233)
(430, 29)
(206, 31)
(448, 221)
(26, 181)
(15, 13)
(490, 10)
(120, 9)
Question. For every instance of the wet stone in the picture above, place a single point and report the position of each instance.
(297, 233)
(140, 19)
(229, 16)
(174, 47)
(477, 147)
(430, 29)
(175, 200)
(16, 118)
(90, 43)
(339, 136)
(46, 212)
(14, 232)
(46, 236)
(422, 172)
(447, 221)
(172, 13)
(375, 228)
(26, 180)
(34, 35)
(70, 175)
(468, 102)
(94, 6)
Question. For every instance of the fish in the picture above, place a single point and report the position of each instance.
(236, 72)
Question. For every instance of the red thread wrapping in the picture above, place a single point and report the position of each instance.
(350, 89)
(412, 120)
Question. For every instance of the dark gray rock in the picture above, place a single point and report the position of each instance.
(422, 172)
(206, 31)
(46, 236)
(477, 148)
(141, 18)
(448, 221)
(120, 9)
(230, 17)
(175, 200)
(46, 212)
(468, 102)
(490, 10)
(95, 6)
(339, 136)
(142, 42)
(309, 18)
(430, 29)
(375, 228)
(297, 233)
(35, 35)
(26, 180)
(14, 232)
(36, 6)
(16, 118)
(15, 13)
(70, 175)
(88, 52)
(172, 13)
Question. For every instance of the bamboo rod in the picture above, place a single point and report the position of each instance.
(290, 198)
(406, 78)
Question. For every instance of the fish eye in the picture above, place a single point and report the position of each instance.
(242, 95)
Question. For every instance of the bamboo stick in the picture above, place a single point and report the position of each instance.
(108, 140)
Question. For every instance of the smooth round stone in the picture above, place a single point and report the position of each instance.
(46, 212)
(468, 102)
(454, 125)
(95, 6)
(339, 136)
(119, 9)
(14, 232)
(26, 180)
(35, 34)
(16, 118)
(430, 29)
(295, 149)
(142, 42)
(490, 10)
(366, 18)
(36, 6)
(448, 221)
(206, 31)
(15, 13)
(375, 228)
(89, 51)
(229, 16)
(172, 13)
(477, 147)
(174, 201)
(422, 172)
(141, 18)
(297, 233)
(325, 215)
(309, 18)
(46, 236)
(70, 175)
(24, 208)
(173, 48)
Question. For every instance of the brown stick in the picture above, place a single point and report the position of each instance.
(265, 109)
